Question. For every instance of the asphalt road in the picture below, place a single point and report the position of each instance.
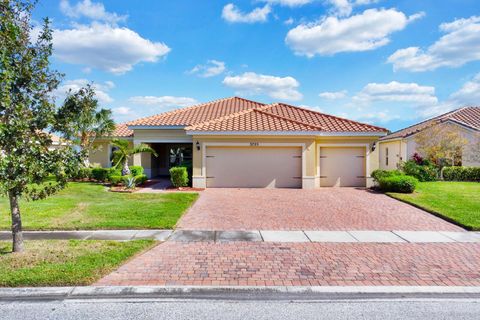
(173, 309)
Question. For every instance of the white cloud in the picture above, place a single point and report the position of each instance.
(106, 47)
(101, 89)
(366, 31)
(343, 8)
(467, 95)
(163, 101)
(397, 92)
(232, 14)
(210, 69)
(288, 3)
(92, 10)
(333, 95)
(460, 45)
(289, 21)
(122, 111)
(250, 83)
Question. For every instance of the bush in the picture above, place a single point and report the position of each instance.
(115, 179)
(141, 179)
(378, 174)
(402, 184)
(82, 173)
(179, 176)
(461, 174)
(100, 174)
(136, 170)
(423, 172)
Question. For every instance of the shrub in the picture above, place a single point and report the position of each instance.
(115, 179)
(136, 170)
(100, 174)
(403, 184)
(82, 173)
(141, 179)
(423, 172)
(378, 174)
(461, 174)
(179, 176)
(129, 182)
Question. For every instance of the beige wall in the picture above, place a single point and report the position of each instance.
(100, 155)
(311, 156)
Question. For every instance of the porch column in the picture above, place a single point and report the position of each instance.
(144, 160)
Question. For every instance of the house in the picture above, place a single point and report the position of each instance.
(400, 145)
(57, 142)
(235, 142)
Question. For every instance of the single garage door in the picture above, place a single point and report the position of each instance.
(253, 167)
(342, 167)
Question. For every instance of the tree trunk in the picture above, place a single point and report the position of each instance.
(125, 169)
(16, 222)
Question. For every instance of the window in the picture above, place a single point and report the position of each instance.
(386, 156)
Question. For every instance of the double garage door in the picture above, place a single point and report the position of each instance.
(281, 167)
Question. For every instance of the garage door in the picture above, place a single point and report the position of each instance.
(253, 167)
(342, 167)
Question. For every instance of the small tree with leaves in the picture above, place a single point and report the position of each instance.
(122, 154)
(27, 113)
(441, 143)
(81, 120)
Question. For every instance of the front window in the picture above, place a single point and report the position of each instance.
(386, 156)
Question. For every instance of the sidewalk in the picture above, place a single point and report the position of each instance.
(354, 236)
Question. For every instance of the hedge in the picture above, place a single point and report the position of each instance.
(461, 174)
(402, 184)
(378, 174)
(179, 176)
(100, 174)
(136, 170)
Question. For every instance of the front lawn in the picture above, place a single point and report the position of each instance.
(92, 206)
(64, 263)
(456, 201)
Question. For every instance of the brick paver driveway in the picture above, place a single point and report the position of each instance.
(292, 209)
(274, 263)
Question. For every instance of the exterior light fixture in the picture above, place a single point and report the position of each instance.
(197, 145)
(374, 146)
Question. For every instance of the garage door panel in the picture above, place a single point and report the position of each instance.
(260, 167)
(342, 167)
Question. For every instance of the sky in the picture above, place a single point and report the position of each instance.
(388, 63)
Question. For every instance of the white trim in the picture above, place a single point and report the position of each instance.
(169, 140)
(204, 146)
(155, 127)
(289, 133)
(348, 145)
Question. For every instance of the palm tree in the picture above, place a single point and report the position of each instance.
(124, 152)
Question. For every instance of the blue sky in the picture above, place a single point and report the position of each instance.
(390, 63)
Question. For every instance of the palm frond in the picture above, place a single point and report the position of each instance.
(143, 148)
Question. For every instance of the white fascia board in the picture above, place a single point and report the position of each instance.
(289, 133)
(155, 127)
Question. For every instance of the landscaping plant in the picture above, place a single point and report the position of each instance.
(179, 176)
(28, 113)
(402, 184)
(122, 155)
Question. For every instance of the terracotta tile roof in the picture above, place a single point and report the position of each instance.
(283, 117)
(467, 116)
(198, 113)
(122, 130)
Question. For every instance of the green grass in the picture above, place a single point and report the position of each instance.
(456, 201)
(92, 206)
(64, 263)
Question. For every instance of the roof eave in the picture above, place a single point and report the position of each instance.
(290, 133)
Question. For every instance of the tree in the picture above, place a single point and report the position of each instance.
(27, 113)
(81, 121)
(122, 155)
(440, 143)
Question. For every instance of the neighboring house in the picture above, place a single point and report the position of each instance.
(57, 142)
(400, 145)
(236, 142)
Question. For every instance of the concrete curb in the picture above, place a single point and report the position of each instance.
(237, 292)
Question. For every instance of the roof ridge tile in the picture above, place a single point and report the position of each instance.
(290, 119)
